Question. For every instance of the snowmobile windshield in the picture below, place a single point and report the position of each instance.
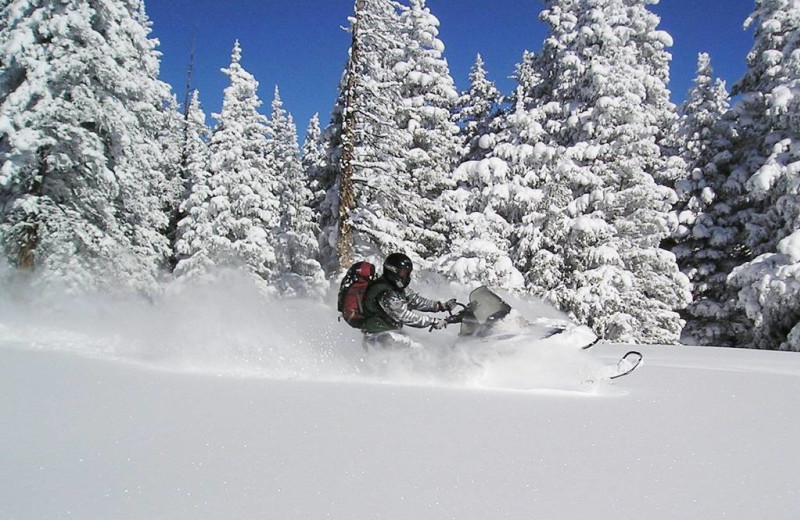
(484, 310)
(487, 306)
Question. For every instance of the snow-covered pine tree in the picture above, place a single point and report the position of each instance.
(480, 238)
(705, 135)
(477, 109)
(84, 197)
(363, 146)
(527, 74)
(767, 168)
(602, 216)
(235, 223)
(193, 229)
(498, 192)
(369, 197)
(326, 186)
(313, 160)
(426, 112)
(707, 246)
(172, 140)
(491, 198)
(296, 244)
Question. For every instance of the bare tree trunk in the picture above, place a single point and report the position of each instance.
(29, 238)
(26, 259)
(189, 73)
(347, 202)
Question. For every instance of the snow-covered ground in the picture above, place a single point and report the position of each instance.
(219, 406)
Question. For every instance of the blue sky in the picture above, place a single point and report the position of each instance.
(300, 46)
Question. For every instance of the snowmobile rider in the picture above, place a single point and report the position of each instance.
(391, 304)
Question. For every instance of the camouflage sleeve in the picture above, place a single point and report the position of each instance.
(398, 309)
(419, 302)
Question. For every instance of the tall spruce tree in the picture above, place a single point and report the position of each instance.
(296, 244)
(389, 144)
(480, 237)
(239, 211)
(362, 212)
(313, 160)
(767, 169)
(193, 230)
(708, 245)
(174, 146)
(85, 191)
(488, 204)
(477, 109)
(426, 112)
(604, 107)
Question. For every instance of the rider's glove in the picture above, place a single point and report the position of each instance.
(449, 305)
(439, 324)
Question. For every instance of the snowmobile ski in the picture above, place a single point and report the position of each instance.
(590, 345)
(627, 364)
(558, 330)
(553, 331)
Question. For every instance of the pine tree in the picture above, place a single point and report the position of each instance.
(373, 205)
(477, 109)
(489, 203)
(363, 145)
(326, 184)
(236, 220)
(708, 246)
(193, 228)
(593, 244)
(313, 160)
(173, 149)
(296, 242)
(766, 170)
(480, 238)
(426, 112)
(530, 84)
(85, 190)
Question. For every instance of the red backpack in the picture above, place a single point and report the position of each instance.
(352, 290)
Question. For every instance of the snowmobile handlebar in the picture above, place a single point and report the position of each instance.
(459, 316)
(454, 318)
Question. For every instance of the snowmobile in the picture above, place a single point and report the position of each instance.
(488, 318)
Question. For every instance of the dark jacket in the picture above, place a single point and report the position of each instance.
(390, 308)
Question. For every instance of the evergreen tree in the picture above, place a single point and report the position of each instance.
(429, 99)
(379, 194)
(489, 203)
(193, 230)
(239, 213)
(480, 239)
(364, 146)
(593, 246)
(708, 246)
(477, 109)
(173, 148)
(313, 160)
(766, 169)
(82, 173)
(527, 74)
(326, 186)
(499, 191)
(296, 245)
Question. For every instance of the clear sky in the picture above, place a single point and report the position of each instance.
(301, 46)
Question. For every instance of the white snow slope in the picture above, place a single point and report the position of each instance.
(224, 408)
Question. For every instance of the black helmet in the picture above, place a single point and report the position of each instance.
(397, 269)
